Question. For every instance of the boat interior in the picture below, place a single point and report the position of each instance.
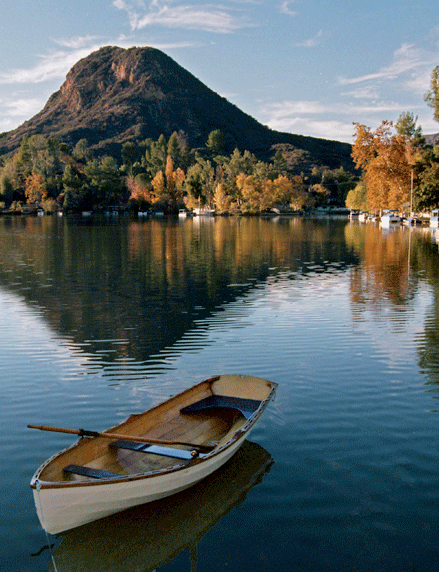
(183, 428)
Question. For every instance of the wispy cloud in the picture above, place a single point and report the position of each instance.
(55, 64)
(312, 42)
(408, 62)
(364, 92)
(285, 8)
(329, 121)
(17, 108)
(52, 66)
(167, 13)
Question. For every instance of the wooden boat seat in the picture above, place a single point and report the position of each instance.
(90, 472)
(156, 450)
(245, 406)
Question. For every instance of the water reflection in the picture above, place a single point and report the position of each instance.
(149, 536)
(123, 291)
(123, 281)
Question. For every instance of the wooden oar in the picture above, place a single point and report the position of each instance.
(85, 433)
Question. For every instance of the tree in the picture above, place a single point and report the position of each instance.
(35, 189)
(280, 164)
(81, 151)
(406, 127)
(104, 182)
(215, 142)
(386, 165)
(432, 96)
(155, 155)
(6, 189)
(140, 193)
(200, 182)
(129, 153)
(427, 179)
(221, 199)
(357, 197)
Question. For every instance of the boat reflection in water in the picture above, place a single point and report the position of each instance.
(149, 536)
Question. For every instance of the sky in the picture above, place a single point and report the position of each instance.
(310, 67)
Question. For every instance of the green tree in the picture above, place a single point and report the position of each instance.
(215, 142)
(155, 156)
(432, 96)
(81, 151)
(104, 182)
(357, 197)
(426, 167)
(200, 183)
(406, 127)
(129, 153)
(6, 189)
(280, 164)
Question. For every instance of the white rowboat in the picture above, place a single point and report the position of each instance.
(151, 455)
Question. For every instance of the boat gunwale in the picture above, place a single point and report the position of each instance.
(38, 484)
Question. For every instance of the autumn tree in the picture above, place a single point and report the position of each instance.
(221, 199)
(35, 188)
(383, 157)
(140, 192)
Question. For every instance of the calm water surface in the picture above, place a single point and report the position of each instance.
(104, 318)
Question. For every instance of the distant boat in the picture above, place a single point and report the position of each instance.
(182, 213)
(151, 455)
(354, 214)
(390, 218)
(362, 217)
(204, 211)
(434, 219)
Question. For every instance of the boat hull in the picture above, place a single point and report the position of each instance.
(61, 509)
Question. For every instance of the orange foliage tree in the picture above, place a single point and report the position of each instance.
(35, 188)
(383, 157)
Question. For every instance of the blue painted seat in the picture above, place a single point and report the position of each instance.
(155, 449)
(90, 472)
(245, 406)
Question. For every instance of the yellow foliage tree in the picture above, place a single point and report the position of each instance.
(221, 199)
(386, 165)
(158, 184)
(35, 188)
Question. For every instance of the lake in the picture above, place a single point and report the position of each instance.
(104, 317)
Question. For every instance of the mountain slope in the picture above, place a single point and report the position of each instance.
(115, 95)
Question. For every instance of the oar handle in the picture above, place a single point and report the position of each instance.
(86, 433)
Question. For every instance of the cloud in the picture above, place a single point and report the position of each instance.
(209, 18)
(311, 42)
(56, 64)
(16, 109)
(408, 61)
(76, 42)
(364, 92)
(285, 8)
(328, 121)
